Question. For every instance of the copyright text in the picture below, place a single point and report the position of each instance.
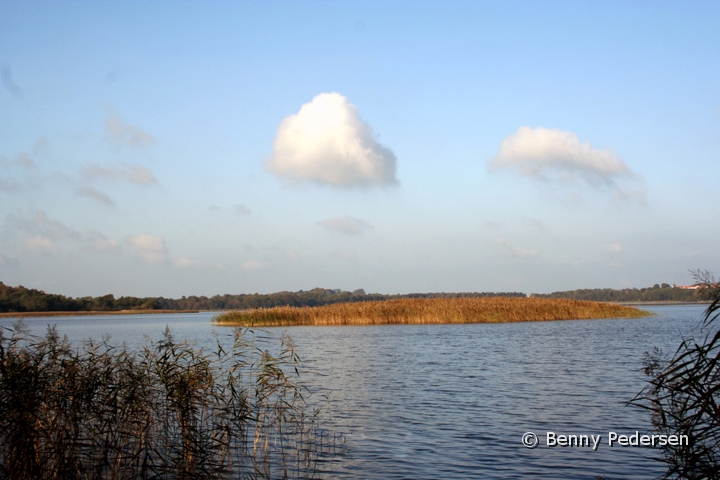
(613, 439)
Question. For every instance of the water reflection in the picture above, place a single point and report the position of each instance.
(453, 401)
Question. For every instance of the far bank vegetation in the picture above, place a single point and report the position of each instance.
(21, 299)
(435, 310)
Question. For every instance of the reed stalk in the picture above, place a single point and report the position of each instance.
(166, 411)
(683, 394)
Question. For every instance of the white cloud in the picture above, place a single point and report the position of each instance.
(40, 245)
(151, 248)
(97, 242)
(328, 143)
(555, 154)
(95, 194)
(185, 262)
(123, 133)
(507, 248)
(292, 256)
(136, 174)
(345, 224)
(255, 265)
(613, 247)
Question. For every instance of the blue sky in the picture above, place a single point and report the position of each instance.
(179, 148)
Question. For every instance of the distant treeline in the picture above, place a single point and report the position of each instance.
(21, 299)
(656, 293)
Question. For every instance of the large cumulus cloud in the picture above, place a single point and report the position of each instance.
(551, 154)
(327, 142)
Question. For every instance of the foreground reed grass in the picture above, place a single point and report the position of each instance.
(168, 411)
(436, 310)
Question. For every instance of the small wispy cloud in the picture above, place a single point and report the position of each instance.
(327, 142)
(99, 243)
(241, 209)
(151, 248)
(255, 265)
(345, 224)
(94, 194)
(40, 146)
(39, 223)
(550, 154)
(613, 247)
(533, 222)
(292, 256)
(125, 134)
(40, 245)
(9, 186)
(508, 249)
(48, 233)
(21, 160)
(135, 173)
(8, 82)
(25, 161)
(630, 196)
(185, 262)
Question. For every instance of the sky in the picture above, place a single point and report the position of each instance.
(200, 148)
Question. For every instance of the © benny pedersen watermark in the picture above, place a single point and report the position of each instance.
(614, 439)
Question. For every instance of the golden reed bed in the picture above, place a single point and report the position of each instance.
(435, 310)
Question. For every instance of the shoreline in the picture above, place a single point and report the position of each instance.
(150, 312)
(83, 313)
(660, 302)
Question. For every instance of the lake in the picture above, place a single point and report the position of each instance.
(454, 401)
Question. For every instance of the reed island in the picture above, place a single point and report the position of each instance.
(429, 311)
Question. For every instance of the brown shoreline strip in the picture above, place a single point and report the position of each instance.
(87, 313)
(430, 311)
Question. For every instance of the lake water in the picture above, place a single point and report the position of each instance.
(453, 401)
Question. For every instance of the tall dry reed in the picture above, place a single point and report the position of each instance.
(683, 394)
(168, 411)
(436, 310)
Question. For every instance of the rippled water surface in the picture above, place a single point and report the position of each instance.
(453, 401)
